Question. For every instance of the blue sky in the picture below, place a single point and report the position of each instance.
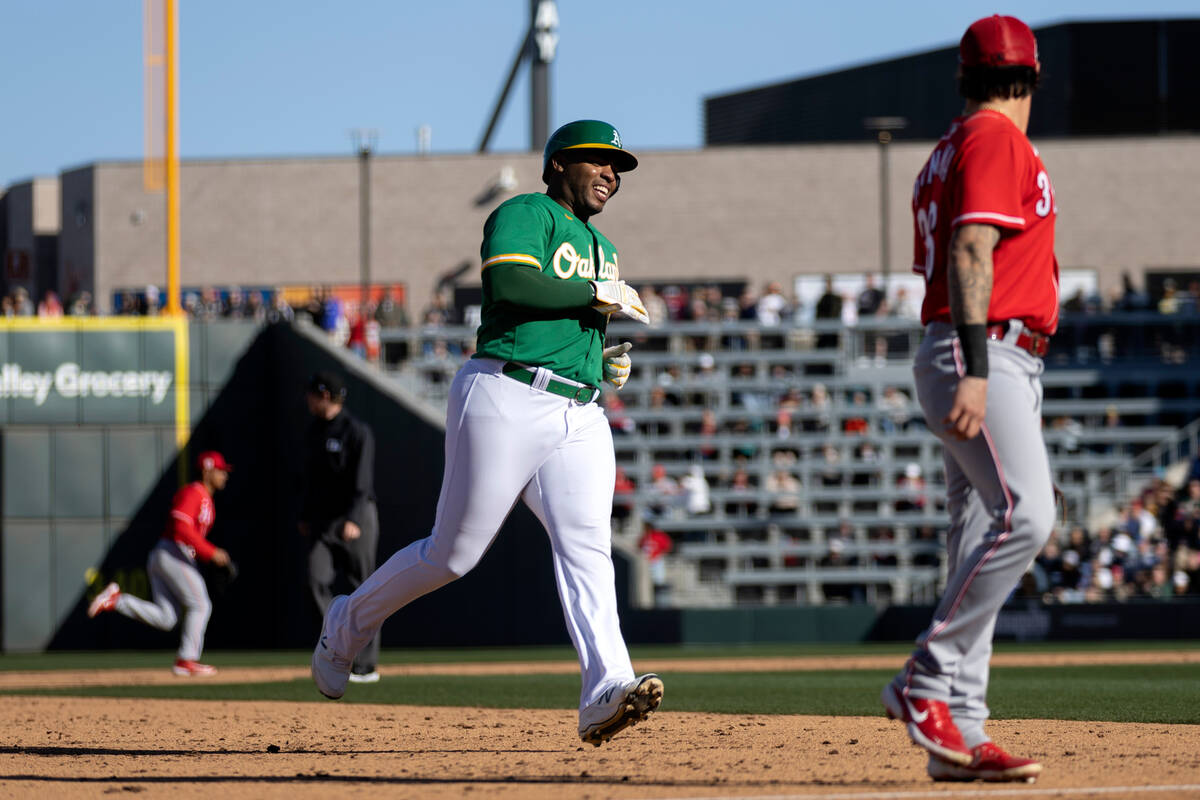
(275, 78)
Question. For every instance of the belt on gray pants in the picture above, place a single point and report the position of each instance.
(579, 392)
(1032, 342)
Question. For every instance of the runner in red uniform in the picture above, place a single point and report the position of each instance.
(175, 582)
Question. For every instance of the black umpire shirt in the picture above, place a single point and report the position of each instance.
(341, 462)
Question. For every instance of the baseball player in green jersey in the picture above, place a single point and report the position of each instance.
(522, 422)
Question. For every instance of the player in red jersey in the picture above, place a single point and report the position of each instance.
(984, 211)
(175, 582)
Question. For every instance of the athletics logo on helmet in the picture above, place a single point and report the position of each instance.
(588, 134)
(998, 41)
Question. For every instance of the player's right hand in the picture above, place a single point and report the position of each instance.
(969, 409)
(618, 297)
(220, 557)
(617, 364)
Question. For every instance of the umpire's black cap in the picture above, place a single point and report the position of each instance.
(325, 381)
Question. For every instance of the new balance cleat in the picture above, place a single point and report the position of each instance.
(622, 705)
(330, 672)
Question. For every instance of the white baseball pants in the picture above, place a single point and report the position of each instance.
(507, 441)
(175, 584)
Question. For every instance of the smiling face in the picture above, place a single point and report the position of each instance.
(582, 180)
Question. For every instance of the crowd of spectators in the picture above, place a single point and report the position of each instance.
(1151, 551)
(772, 306)
(1173, 299)
(342, 320)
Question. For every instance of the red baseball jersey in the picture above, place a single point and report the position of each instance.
(985, 171)
(192, 514)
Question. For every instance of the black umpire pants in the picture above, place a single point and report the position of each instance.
(331, 558)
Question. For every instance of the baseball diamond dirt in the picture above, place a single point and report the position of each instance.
(90, 746)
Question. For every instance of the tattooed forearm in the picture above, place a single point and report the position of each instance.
(970, 271)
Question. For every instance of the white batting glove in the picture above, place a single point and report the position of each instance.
(617, 364)
(618, 297)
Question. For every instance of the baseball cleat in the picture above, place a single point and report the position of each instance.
(192, 669)
(990, 763)
(364, 677)
(929, 725)
(105, 601)
(329, 671)
(622, 705)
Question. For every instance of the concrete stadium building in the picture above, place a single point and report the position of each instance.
(755, 212)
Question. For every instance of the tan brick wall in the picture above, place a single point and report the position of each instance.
(765, 213)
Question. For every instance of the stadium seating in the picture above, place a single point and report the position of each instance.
(837, 425)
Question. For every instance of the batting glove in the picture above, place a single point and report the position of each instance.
(617, 364)
(618, 297)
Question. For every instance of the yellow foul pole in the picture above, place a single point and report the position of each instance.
(172, 109)
(173, 309)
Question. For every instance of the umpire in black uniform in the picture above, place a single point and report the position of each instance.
(338, 517)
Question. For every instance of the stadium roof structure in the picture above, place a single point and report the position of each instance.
(1117, 78)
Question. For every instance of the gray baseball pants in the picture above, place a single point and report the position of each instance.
(175, 585)
(1001, 504)
(332, 556)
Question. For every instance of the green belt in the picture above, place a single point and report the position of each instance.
(580, 394)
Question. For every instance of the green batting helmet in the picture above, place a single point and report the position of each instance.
(588, 134)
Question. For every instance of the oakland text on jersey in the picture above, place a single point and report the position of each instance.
(568, 262)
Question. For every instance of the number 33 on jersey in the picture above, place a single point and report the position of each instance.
(984, 171)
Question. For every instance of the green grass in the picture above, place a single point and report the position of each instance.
(1163, 693)
(124, 659)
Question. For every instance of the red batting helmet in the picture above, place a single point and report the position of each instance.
(998, 41)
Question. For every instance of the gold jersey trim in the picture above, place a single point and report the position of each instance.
(512, 258)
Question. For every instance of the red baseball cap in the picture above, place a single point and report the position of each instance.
(211, 459)
(998, 41)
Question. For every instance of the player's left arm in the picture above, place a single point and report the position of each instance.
(523, 286)
(970, 272)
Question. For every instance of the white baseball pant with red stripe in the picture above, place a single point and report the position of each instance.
(175, 585)
(1001, 504)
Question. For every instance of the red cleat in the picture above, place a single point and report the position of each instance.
(195, 669)
(989, 764)
(105, 601)
(929, 725)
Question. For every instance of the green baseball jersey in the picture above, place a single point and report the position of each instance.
(534, 231)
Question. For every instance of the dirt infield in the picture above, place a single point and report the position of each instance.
(92, 747)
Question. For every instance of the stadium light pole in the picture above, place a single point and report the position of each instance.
(883, 128)
(544, 14)
(364, 140)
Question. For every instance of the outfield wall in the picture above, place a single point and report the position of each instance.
(1021, 621)
(92, 414)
